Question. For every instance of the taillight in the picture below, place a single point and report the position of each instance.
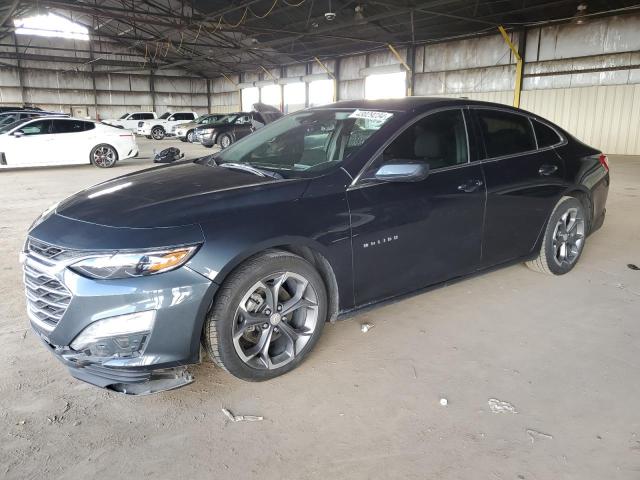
(604, 161)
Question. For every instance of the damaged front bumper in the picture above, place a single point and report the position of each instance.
(128, 380)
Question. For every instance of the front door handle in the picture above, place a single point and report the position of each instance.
(470, 186)
(547, 170)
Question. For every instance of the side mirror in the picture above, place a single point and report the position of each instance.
(18, 133)
(403, 171)
(168, 155)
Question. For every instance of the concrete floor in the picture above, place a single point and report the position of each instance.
(564, 351)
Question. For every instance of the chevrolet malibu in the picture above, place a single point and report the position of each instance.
(325, 211)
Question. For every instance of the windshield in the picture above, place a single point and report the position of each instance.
(309, 141)
(165, 115)
(6, 128)
(123, 116)
(6, 119)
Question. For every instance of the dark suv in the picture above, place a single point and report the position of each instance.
(327, 210)
(235, 126)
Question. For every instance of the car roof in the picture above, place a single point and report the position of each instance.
(407, 104)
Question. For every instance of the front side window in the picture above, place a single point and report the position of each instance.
(124, 117)
(306, 142)
(7, 119)
(545, 135)
(165, 115)
(439, 139)
(41, 127)
(505, 133)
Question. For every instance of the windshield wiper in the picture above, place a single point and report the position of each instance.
(251, 169)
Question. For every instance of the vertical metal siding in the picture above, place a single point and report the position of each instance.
(604, 116)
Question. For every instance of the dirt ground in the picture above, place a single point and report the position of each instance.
(564, 352)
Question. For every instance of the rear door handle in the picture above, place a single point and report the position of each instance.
(470, 186)
(546, 170)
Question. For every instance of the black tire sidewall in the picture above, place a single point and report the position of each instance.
(155, 129)
(237, 285)
(548, 237)
(189, 137)
(222, 137)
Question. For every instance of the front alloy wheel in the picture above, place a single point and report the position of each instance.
(267, 316)
(190, 136)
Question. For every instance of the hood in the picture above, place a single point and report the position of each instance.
(182, 193)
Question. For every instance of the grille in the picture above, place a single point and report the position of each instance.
(47, 298)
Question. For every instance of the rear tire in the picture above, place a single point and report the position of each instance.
(157, 133)
(103, 156)
(253, 336)
(563, 240)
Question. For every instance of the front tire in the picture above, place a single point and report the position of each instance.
(563, 240)
(190, 136)
(103, 156)
(157, 133)
(267, 316)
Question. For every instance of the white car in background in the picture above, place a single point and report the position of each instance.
(159, 128)
(130, 120)
(48, 141)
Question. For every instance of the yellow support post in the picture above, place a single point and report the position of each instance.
(517, 89)
(333, 77)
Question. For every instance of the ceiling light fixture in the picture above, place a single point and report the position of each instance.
(581, 13)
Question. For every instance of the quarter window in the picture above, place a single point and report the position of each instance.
(439, 139)
(546, 136)
(505, 133)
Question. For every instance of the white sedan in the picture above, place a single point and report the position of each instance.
(48, 141)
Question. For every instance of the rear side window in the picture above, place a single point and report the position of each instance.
(89, 125)
(546, 136)
(68, 126)
(505, 133)
(144, 116)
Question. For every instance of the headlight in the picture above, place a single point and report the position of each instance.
(206, 131)
(124, 335)
(133, 264)
(44, 215)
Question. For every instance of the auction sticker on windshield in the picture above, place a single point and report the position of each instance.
(371, 115)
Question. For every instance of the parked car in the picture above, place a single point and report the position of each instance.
(157, 129)
(130, 120)
(14, 115)
(186, 131)
(12, 109)
(322, 212)
(232, 128)
(49, 140)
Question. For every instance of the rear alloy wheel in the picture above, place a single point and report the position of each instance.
(225, 141)
(157, 133)
(564, 238)
(267, 316)
(190, 136)
(104, 156)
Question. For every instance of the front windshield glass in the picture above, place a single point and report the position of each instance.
(7, 128)
(165, 115)
(309, 141)
(124, 116)
(6, 119)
